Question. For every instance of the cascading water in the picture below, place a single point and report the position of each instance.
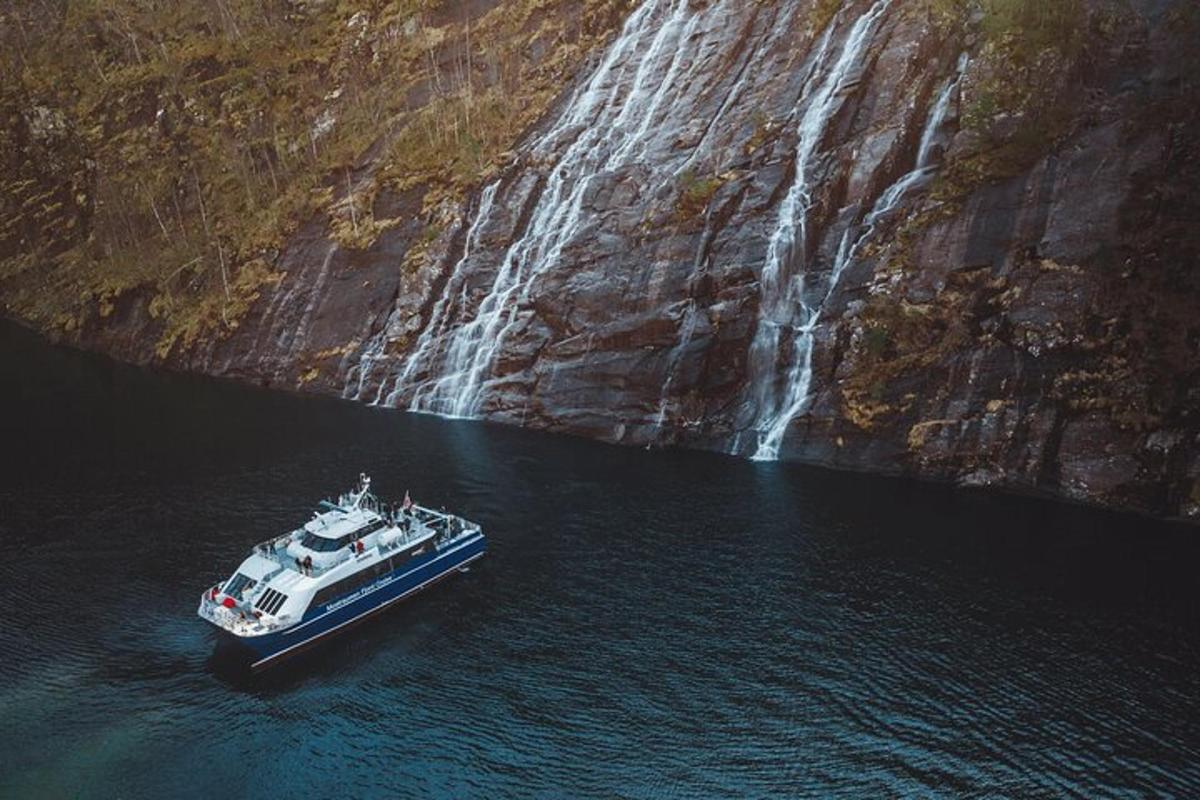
(784, 307)
(616, 118)
(923, 169)
(925, 164)
(888, 201)
(440, 319)
(612, 120)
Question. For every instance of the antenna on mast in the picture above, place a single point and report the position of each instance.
(364, 485)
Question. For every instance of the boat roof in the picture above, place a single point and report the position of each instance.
(339, 521)
(258, 567)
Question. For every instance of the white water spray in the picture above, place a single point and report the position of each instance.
(925, 165)
(612, 118)
(888, 201)
(438, 321)
(783, 305)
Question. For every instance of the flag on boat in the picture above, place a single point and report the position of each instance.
(408, 503)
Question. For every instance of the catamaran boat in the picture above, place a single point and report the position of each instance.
(354, 558)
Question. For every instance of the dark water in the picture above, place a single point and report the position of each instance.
(645, 625)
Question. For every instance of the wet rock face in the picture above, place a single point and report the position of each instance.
(738, 232)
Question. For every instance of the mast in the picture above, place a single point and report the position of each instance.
(364, 486)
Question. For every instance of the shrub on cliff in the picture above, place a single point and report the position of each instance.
(695, 193)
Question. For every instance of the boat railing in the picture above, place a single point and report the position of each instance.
(274, 544)
(237, 620)
(410, 521)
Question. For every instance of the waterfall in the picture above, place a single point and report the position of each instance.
(923, 169)
(925, 165)
(441, 318)
(749, 69)
(609, 123)
(784, 307)
(614, 119)
(888, 201)
(438, 321)
(686, 332)
(299, 334)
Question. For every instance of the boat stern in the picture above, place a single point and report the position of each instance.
(247, 634)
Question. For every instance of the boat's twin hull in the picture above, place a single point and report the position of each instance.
(322, 623)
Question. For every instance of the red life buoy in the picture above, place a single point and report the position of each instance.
(229, 602)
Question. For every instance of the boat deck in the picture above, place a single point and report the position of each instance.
(416, 524)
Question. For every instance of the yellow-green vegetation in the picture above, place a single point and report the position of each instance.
(419, 252)
(695, 193)
(765, 129)
(168, 149)
(1109, 389)
(464, 133)
(192, 120)
(210, 310)
(1026, 53)
(822, 13)
(898, 338)
(1017, 97)
(1035, 25)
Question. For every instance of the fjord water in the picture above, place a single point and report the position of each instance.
(645, 624)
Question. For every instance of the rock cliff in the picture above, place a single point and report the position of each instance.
(934, 237)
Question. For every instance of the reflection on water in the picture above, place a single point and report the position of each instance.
(644, 625)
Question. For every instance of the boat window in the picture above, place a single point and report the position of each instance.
(271, 601)
(238, 585)
(351, 582)
(322, 545)
(378, 524)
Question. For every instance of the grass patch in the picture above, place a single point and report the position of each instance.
(695, 193)
(822, 13)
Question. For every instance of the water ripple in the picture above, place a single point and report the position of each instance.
(645, 625)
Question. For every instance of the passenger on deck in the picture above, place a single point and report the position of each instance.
(308, 565)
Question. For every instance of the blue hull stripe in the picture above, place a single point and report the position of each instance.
(371, 610)
(271, 646)
(380, 587)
